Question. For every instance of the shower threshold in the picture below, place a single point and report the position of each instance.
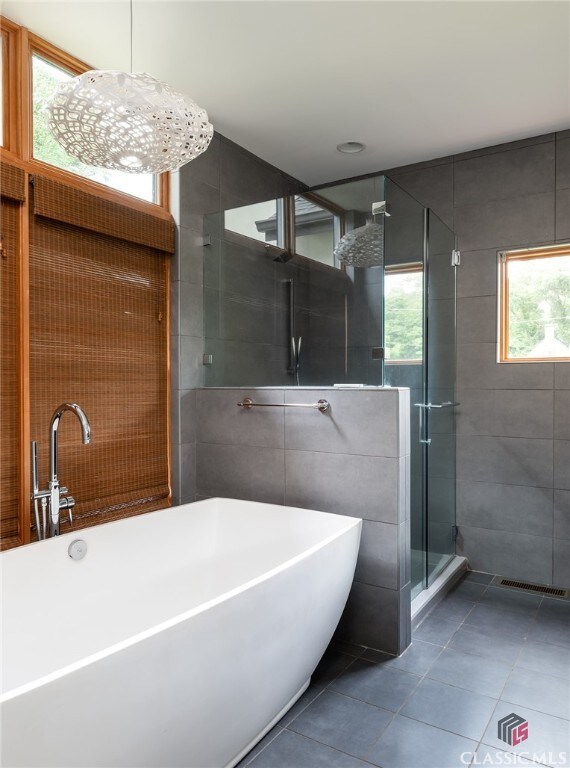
(428, 598)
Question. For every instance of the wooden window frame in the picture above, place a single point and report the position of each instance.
(18, 149)
(402, 269)
(11, 85)
(17, 50)
(503, 260)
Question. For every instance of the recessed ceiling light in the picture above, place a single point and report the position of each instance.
(350, 147)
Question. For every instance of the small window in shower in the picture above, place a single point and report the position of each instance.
(534, 306)
(403, 318)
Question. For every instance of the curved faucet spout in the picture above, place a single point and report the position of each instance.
(54, 426)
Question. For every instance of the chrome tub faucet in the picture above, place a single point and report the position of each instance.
(54, 498)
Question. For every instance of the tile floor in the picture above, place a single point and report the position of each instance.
(483, 653)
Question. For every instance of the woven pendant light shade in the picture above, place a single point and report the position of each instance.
(127, 122)
(362, 247)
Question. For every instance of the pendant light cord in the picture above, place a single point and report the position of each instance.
(131, 24)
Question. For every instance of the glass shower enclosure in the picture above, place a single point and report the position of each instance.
(352, 283)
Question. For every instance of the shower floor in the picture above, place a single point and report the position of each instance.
(482, 654)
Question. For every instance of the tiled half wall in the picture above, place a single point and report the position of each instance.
(351, 460)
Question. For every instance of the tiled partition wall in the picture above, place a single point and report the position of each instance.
(513, 446)
(351, 460)
(226, 176)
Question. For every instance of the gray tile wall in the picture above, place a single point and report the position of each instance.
(513, 444)
(352, 460)
(225, 176)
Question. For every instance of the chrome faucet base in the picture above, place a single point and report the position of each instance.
(53, 499)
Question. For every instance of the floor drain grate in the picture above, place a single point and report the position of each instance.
(553, 591)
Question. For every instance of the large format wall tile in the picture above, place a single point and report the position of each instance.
(379, 557)
(507, 223)
(327, 481)
(371, 618)
(509, 460)
(241, 472)
(477, 273)
(505, 412)
(562, 514)
(514, 555)
(220, 420)
(561, 576)
(432, 187)
(562, 464)
(511, 174)
(563, 163)
(562, 414)
(499, 507)
(477, 368)
(562, 214)
(366, 424)
(476, 319)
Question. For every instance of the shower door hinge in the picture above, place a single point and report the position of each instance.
(454, 532)
(455, 258)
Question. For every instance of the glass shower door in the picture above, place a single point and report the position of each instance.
(439, 389)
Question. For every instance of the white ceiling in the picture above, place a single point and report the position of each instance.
(289, 80)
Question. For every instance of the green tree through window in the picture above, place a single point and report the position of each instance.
(46, 79)
(403, 309)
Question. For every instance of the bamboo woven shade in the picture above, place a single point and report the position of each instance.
(9, 392)
(74, 206)
(98, 337)
(12, 182)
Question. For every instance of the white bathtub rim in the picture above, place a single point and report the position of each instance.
(352, 522)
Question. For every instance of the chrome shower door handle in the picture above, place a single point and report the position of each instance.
(427, 407)
(421, 408)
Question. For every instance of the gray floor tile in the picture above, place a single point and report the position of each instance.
(260, 746)
(502, 622)
(552, 623)
(378, 657)
(410, 744)
(290, 750)
(452, 609)
(535, 690)
(547, 735)
(376, 684)
(310, 695)
(343, 723)
(330, 666)
(546, 658)
(475, 673)
(453, 709)
(487, 643)
(496, 757)
(510, 600)
(418, 658)
(468, 590)
(437, 631)
(479, 577)
(349, 648)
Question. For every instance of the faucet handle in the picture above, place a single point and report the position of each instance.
(63, 490)
(67, 502)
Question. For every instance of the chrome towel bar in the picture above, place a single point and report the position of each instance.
(247, 403)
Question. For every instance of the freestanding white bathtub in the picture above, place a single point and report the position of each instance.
(178, 640)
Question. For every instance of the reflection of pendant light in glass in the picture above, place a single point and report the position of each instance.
(128, 122)
(364, 246)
